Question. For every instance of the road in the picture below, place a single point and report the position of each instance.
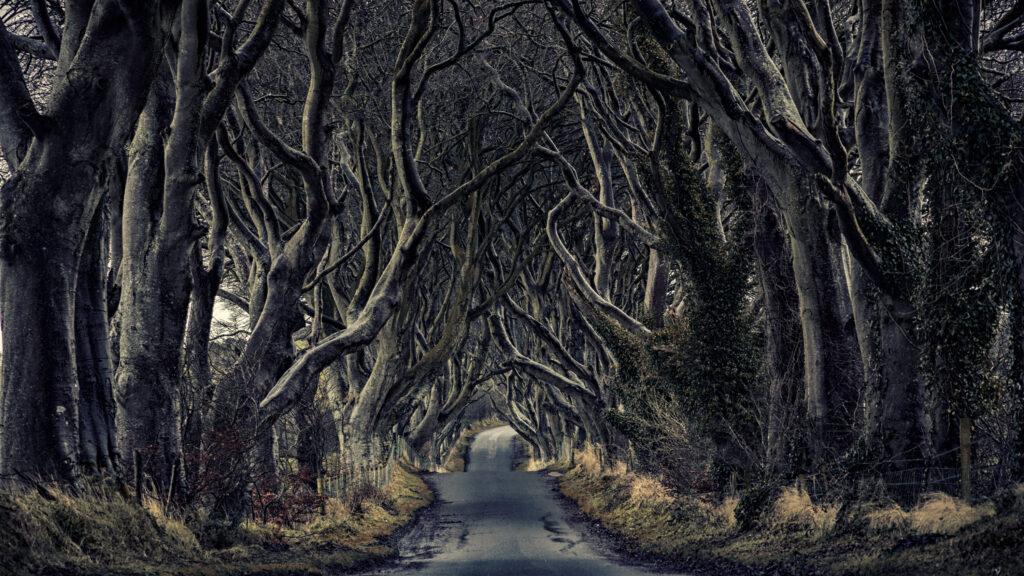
(493, 521)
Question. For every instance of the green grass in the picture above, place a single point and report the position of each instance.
(101, 532)
(940, 536)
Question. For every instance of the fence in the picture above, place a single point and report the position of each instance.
(906, 481)
(379, 477)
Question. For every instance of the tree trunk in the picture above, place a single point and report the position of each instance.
(654, 292)
(106, 62)
(38, 262)
(894, 422)
(829, 393)
(364, 418)
(783, 351)
(965, 459)
(197, 378)
(310, 448)
(97, 446)
(154, 300)
(1018, 343)
(424, 429)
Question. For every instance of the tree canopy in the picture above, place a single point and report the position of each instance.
(717, 236)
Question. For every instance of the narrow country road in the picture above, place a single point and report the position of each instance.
(492, 521)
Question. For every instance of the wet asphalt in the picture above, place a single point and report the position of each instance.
(493, 521)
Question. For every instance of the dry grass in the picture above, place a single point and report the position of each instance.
(560, 464)
(801, 537)
(348, 534)
(641, 507)
(98, 529)
(882, 519)
(794, 510)
(534, 465)
(726, 511)
(937, 513)
(101, 532)
(589, 461)
(940, 513)
(649, 491)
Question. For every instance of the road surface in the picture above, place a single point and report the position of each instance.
(492, 521)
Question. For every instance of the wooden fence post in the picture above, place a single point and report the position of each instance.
(170, 483)
(320, 493)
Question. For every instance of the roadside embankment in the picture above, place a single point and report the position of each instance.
(103, 532)
(941, 535)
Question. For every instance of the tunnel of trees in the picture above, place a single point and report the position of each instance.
(716, 238)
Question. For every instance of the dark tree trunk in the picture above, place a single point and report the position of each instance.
(830, 359)
(783, 352)
(38, 262)
(197, 378)
(154, 301)
(97, 446)
(309, 452)
(102, 74)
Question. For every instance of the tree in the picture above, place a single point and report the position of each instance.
(105, 59)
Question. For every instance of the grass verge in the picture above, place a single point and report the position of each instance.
(942, 535)
(101, 532)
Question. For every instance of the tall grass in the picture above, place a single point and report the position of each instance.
(940, 513)
(797, 535)
(103, 532)
(97, 528)
(794, 510)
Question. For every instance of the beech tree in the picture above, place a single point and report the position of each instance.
(62, 159)
(710, 237)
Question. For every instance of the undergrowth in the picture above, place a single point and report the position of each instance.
(102, 532)
(47, 529)
(941, 535)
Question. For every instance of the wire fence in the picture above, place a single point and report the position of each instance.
(906, 481)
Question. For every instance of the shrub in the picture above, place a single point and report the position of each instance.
(646, 490)
(1011, 500)
(754, 505)
(726, 511)
(589, 461)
